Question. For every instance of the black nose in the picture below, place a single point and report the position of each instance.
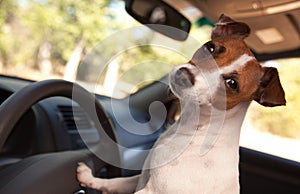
(183, 77)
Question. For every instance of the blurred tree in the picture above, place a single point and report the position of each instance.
(67, 27)
(40, 32)
(7, 10)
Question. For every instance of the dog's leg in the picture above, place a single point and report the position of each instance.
(114, 185)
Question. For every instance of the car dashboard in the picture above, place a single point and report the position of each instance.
(60, 124)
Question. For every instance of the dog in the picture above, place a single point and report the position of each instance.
(199, 153)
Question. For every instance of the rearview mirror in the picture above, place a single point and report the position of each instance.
(160, 17)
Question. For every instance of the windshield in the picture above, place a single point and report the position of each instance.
(95, 43)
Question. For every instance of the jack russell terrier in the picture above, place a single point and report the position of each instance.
(216, 86)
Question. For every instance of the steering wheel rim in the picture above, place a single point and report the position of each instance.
(21, 101)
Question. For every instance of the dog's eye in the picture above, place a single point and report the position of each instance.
(210, 46)
(231, 83)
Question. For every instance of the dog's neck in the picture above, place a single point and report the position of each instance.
(215, 127)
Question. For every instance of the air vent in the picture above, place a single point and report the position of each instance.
(74, 117)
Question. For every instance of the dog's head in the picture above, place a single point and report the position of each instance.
(224, 72)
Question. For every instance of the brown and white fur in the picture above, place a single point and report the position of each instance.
(221, 80)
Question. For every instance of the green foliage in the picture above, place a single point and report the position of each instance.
(61, 23)
(7, 10)
(284, 120)
(64, 23)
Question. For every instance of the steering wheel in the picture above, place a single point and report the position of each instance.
(52, 172)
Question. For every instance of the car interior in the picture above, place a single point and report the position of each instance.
(47, 127)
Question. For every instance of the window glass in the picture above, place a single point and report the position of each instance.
(277, 130)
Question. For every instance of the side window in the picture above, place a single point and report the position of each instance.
(277, 130)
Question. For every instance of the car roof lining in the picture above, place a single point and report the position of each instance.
(273, 35)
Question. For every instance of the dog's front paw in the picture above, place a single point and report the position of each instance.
(84, 175)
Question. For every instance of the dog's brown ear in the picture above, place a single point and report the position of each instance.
(270, 92)
(227, 27)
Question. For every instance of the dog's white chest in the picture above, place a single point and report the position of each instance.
(191, 173)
